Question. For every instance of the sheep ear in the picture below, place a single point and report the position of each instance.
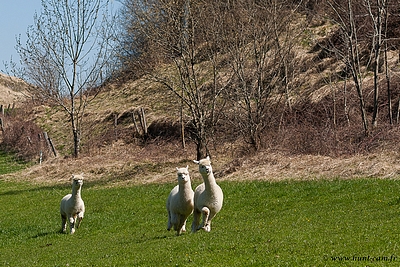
(208, 157)
(187, 167)
(72, 177)
(177, 168)
(197, 162)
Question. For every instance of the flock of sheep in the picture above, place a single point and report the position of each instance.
(206, 201)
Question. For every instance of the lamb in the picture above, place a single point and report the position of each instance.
(208, 197)
(72, 206)
(180, 202)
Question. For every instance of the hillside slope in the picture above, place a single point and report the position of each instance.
(120, 161)
(114, 153)
(12, 90)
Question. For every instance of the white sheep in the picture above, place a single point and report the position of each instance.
(180, 202)
(208, 197)
(72, 206)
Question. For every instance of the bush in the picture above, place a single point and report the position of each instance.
(24, 138)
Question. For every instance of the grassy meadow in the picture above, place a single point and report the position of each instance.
(291, 223)
(8, 163)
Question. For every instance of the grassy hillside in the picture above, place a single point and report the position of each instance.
(310, 223)
(309, 140)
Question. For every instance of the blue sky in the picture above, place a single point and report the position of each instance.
(15, 17)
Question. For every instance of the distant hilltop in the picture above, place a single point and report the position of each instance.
(12, 90)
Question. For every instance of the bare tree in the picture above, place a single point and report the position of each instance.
(66, 55)
(349, 51)
(378, 12)
(173, 32)
(261, 53)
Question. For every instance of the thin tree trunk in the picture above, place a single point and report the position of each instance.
(377, 42)
(76, 143)
(356, 67)
(376, 88)
(76, 135)
(398, 112)
(182, 126)
(346, 109)
(389, 93)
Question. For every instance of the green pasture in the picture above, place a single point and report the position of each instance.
(308, 223)
(9, 163)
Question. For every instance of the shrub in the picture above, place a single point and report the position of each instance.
(24, 138)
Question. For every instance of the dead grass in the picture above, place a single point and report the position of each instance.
(114, 165)
(277, 167)
(110, 159)
(124, 164)
(119, 162)
(12, 91)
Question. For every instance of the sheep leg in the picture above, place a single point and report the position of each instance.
(174, 221)
(72, 224)
(196, 220)
(205, 224)
(169, 225)
(181, 225)
(63, 223)
(183, 228)
(207, 227)
(79, 222)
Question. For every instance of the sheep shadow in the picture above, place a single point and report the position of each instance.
(44, 234)
(145, 238)
(63, 186)
(40, 188)
(41, 235)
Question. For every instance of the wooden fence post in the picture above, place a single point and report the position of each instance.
(143, 121)
(52, 147)
(49, 143)
(46, 138)
(115, 126)
(134, 122)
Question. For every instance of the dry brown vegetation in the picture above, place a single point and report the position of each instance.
(118, 155)
(12, 90)
(319, 135)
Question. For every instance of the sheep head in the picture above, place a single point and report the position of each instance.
(77, 180)
(183, 174)
(204, 165)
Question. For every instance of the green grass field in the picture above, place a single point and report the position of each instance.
(8, 163)
(310, 223)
